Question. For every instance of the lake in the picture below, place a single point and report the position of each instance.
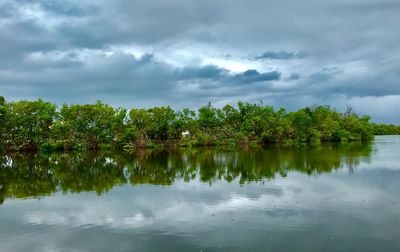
(338, 197)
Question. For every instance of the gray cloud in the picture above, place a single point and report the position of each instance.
(191, 52)
(281, 55)
(207, 72)
(125, 77)
(252, 75)
(293, 77)
(66, 8)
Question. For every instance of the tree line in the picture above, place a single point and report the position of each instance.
(32, 125)
(386, 129)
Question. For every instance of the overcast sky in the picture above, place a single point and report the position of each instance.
(185, 53)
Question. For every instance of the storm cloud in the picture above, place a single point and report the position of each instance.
(186, 53)
(282, 55)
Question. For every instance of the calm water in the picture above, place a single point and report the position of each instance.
(327, 198)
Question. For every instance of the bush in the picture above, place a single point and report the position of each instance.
(51, 147)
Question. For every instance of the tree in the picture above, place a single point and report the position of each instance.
(140, 122)
(254, 118)
(280, 128)
(185, 120)
(29, 123)
(39, 124)
(302, 122)
(326, 122)
(88, 126)
(161, 122)
(210, 118)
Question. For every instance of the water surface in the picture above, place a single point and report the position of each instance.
(342, 197)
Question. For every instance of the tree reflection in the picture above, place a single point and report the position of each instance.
(24, 175)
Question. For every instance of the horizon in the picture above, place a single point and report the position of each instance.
(188, 53)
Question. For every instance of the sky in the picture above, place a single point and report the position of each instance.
(184, 53)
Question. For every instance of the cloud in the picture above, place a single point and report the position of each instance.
(281, 55)
(252, 75)
(206, 72)
(186, 53)
(293, 77)
(93, 75)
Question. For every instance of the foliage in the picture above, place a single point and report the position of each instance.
(43, 125)
(27, 124)
(386, 129)
(88, 126)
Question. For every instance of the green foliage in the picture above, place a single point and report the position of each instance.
(139, 120)
(384, 129)
(42, 125)
(127, 139)
(254, 118)
(210, 118)
(185, 121)
(28, 123)
(88, 126)
(161, 121)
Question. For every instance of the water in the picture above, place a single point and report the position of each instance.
(328, 198)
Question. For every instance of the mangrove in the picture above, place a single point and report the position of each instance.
(41, 125)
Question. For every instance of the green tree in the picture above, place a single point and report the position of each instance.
(210, 118)
(161, 121)
(88, 126)
(29, 123)
(140, 122)
(254, 118)
(39, 124)
(185, 120)
(326, 122)
(232, 120)
(280, 128)
(302, 122)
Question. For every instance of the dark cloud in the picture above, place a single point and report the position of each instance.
(281, 55)
(196, 51)
(125, 76)
(206, 72)
(21, 38)
(324, 75)
(251, 76)
(6, 10)
(70, 60)
(293, 77)
(215, 73)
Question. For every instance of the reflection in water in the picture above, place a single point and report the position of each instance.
(32, 175)
(204, 200)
